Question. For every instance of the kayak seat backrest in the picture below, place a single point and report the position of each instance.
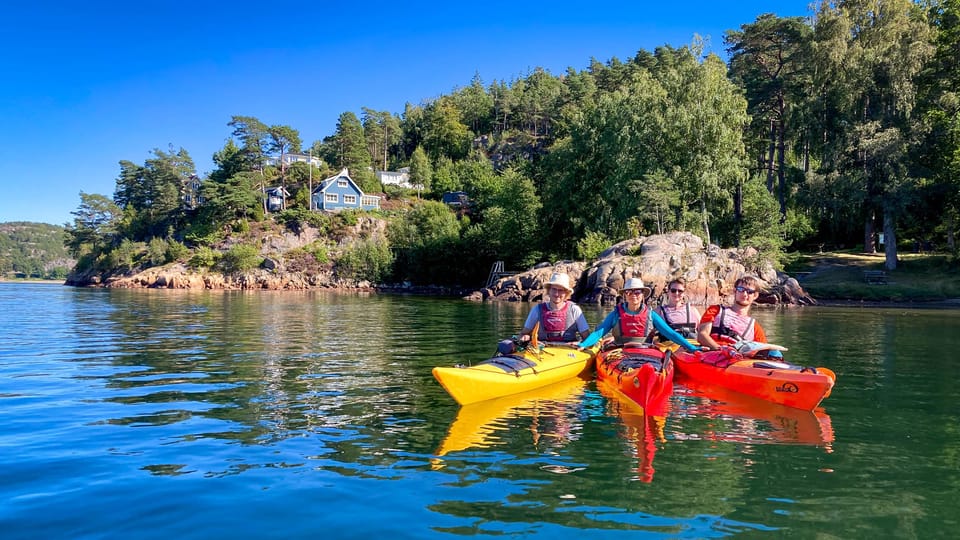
(510, 363)
(636, 360)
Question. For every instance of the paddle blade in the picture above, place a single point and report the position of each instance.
(533, 336)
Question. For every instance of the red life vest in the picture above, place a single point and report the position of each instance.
(553, 322)
(633, 327)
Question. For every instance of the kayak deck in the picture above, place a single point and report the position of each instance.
(511, 374)
(775, 381)
(645, 375)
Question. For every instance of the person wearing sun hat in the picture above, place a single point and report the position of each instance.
(632, 322)
(560, 319)
(724, 325)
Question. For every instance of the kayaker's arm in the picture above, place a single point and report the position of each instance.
(532, 319)
(703, 336)
(611, 319)
(671, 334)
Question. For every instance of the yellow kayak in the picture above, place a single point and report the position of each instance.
(504, 375)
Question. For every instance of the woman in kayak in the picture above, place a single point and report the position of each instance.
(680, 315)
(632, 322)
(722, 325)
(561, 320)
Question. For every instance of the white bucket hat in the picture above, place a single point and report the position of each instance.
(559, 280)
(633, 284)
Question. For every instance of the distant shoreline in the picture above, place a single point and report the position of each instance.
(47, 281)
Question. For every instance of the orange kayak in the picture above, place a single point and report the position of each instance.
(645, 375)
(770, 380)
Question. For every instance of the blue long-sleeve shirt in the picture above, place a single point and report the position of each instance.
(612, 320)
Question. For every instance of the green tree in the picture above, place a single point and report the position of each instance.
(254, 140)
(769, 60)
(351, 151)
(381, 130)
(475, 106)
(427, 240)
(444, 133)
(152, 195)
(421, 172)
(283, 140)
(94, 228)
(882, 48)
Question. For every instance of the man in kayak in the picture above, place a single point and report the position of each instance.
(560, 320)
(724, 325)
(633, 321)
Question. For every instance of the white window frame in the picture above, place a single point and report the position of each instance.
(349, 199)
(331, 198)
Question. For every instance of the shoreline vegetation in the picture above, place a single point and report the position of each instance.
(831, 279)
(762, 152)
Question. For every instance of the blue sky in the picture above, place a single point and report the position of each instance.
(87, 84)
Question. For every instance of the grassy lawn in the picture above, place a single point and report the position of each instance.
(839, 276)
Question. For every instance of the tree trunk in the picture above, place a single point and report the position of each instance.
(951, 223)
(706, 224)
(770, 155)
(889, 240)
(737, 213)
(781, 172)
(868, 242)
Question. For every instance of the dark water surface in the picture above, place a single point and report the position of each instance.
(172, 414)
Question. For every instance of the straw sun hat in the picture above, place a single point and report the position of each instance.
(633, 284)
(559, 280)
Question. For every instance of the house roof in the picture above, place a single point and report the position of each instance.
(327, 182)
(276, 190)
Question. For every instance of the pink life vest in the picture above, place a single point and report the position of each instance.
(553, 322)
(733, 326)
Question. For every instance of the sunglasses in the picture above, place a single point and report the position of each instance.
(676, 291)
(746, 290)
(633, 291)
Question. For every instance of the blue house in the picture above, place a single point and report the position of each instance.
(339, 192)
(277, 198)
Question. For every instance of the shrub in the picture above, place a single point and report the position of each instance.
(319, 251)
(122, 257)
(592, 245)
(176, 250)
(240, 258)
(157, 251)
(204, 257)
(368, 260)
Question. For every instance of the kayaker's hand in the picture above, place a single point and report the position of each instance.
(730, 352)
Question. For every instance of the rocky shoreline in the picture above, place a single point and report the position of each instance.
(709, 271)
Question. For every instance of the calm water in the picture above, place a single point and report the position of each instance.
(169, 414)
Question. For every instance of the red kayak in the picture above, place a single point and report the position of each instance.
(645, 375)
(768, 379)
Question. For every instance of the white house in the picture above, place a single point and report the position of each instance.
(395, 178)
(289, 159)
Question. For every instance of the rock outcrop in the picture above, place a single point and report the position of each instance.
(709, 271)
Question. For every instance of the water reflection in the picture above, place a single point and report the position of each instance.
(643, 429)
(740, 418)
(549, 415)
